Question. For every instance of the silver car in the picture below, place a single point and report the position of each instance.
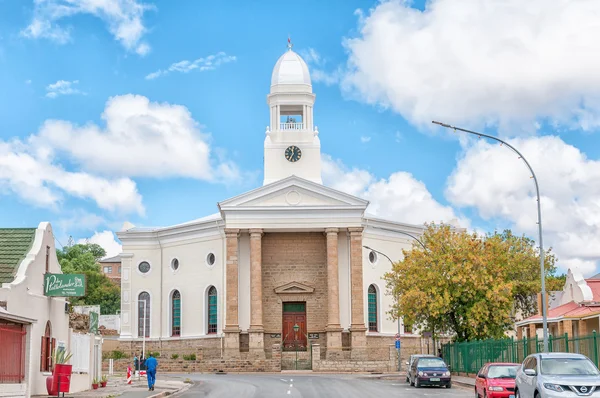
(557, 375)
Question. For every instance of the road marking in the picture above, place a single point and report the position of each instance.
(284, 380)
(289, 392)
(291, 380)
(291, 385)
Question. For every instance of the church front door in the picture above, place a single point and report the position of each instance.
(294, 314)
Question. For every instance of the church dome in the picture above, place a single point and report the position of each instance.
(290, 69)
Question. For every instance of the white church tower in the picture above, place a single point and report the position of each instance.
(292, 145)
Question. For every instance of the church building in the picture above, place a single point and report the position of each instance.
(292, 262)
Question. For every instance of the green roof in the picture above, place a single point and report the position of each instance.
(15, 243)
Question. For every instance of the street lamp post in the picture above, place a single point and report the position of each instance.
(143, 335)
(539, 213)
(296, 328)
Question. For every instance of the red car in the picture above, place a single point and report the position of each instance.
(496, 380)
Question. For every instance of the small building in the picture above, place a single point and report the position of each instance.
(575, 310)
(111, 267)
(26, 254)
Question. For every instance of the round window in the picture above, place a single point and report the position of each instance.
(144, 267)
(175, 264)
(210, 259)
(372, 257)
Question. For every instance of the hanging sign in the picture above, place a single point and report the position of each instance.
(64, 285)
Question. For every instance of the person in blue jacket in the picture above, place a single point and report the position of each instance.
(151, 365)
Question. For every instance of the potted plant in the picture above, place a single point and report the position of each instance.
(95, 384)
(103, 381)
(60, 381)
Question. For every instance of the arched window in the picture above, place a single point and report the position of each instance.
(176, 313)
(212, 310)
(48, 345)
(372, 308)
(144, 314)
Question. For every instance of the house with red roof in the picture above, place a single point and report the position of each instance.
(575, 311)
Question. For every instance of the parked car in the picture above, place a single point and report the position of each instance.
(410, 361)
(430, 371)
(557, 375)
(496, 380)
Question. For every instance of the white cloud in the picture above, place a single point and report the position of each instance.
(365, 139)
(480, 61)
(34, 175)
(491, 179)
(62, 87)
(311, 56)
(201, 64)
(400, 197)
(106, 239)
(141, 139)
(79, 220)
(123, 18)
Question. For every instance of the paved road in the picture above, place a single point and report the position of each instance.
(309, 386)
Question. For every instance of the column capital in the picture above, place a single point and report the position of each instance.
(355, 230)
(255, 232)
(232, 232)
(331, 231)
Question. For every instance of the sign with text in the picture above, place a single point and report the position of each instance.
(94, 322)
(313, 336)
(64, 285)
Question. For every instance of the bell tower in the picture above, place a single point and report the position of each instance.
(292, 145)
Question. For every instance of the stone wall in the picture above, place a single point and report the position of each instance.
(294, 257)
(319, 364)
(208, 348)
(245, 363)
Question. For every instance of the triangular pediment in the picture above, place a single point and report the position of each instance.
(294, 192)
(294, 288)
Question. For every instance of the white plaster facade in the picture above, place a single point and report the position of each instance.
(292, 199)
(25, 297)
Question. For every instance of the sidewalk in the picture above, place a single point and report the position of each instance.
(463, 381)
(118, 387)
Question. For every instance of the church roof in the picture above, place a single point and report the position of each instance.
(290, 69)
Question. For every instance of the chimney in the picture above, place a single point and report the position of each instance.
(539, 303)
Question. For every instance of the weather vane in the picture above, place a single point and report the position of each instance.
(289, 45)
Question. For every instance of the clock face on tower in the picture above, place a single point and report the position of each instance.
(293, 153)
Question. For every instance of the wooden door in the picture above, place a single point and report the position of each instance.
(294, 314)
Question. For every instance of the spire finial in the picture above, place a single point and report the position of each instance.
(289, 45)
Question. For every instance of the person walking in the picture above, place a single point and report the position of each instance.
(136, 364)
(151, 365)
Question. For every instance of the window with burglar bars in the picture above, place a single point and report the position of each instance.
(212, 310)
(176, 314)
(372, 308)
(143, 314)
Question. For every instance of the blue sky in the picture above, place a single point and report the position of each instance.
(89, 138)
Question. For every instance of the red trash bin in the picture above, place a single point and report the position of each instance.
(61, 377)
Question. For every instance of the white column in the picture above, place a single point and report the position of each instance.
(278, 116)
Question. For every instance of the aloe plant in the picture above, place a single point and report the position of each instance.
(61, 357)
(104, 378)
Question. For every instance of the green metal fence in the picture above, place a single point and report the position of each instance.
(470, 356)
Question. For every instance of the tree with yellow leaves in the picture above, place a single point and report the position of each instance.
(466, 284)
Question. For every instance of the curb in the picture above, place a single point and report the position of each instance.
(463, 384)
(183, 388)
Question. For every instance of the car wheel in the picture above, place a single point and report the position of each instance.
(407, 379)
(517, 394)
(449, 385)
(417, 383)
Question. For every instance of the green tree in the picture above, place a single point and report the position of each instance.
(466, 284)
(83, 259)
